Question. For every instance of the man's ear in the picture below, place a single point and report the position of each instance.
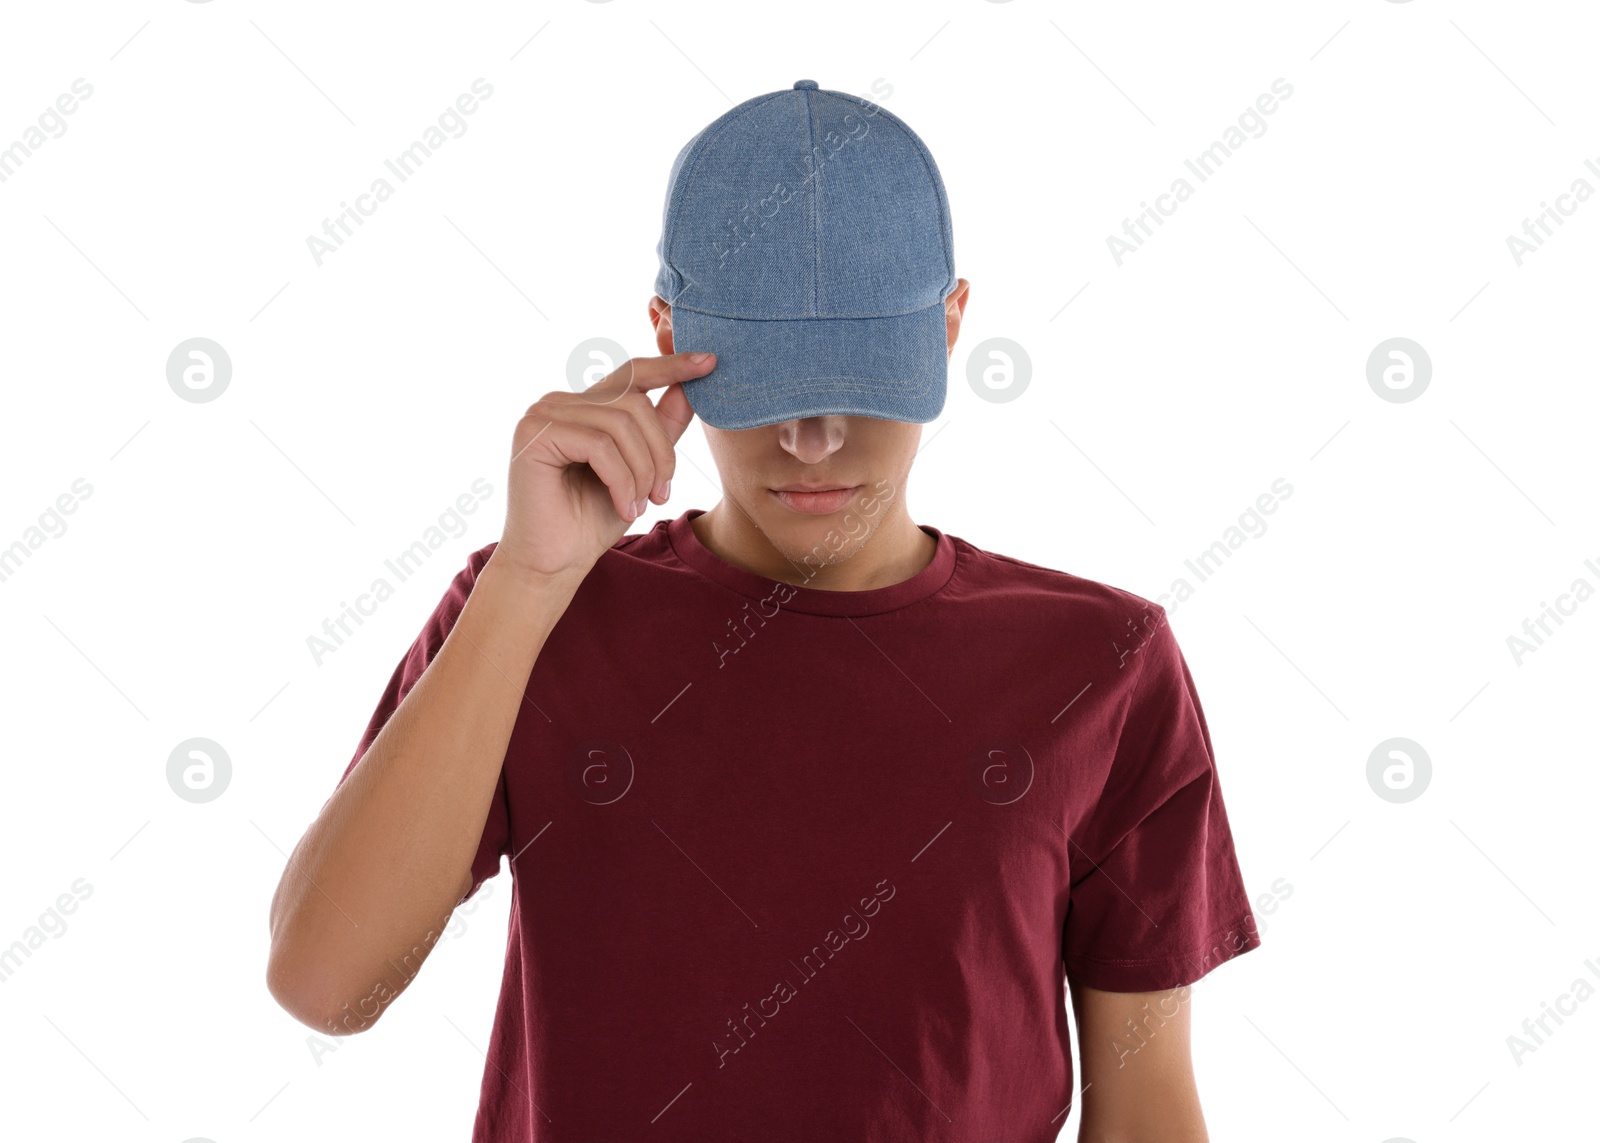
(955, 306)
(661, 321)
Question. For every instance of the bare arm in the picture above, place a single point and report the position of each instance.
(370, 886)
(1138, 1080)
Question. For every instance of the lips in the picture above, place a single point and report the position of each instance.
(815, 503)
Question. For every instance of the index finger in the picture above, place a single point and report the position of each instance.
(641, 374)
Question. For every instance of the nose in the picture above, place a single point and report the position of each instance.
(811, 440)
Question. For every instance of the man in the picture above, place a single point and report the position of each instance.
(814, 814)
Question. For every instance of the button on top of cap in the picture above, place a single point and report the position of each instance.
(805, 85)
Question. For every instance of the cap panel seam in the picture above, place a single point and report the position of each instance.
(734, 115)
(941, 200)
(813, 144)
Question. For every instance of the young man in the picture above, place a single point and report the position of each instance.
(814, 814)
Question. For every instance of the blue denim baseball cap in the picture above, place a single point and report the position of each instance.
(806, 242)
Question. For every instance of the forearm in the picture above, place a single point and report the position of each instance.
(1138, 1077)
(391, 853)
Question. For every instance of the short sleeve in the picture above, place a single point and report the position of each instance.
(496, 827)
(1157, 899)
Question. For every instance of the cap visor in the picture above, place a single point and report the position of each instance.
(771, 370)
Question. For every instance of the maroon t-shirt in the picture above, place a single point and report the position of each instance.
(799, 864)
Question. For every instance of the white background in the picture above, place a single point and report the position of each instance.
(369, 392)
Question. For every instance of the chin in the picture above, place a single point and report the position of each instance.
(815, 541)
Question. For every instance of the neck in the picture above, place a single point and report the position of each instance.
(891, 550)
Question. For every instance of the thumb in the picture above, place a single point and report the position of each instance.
(675, 412)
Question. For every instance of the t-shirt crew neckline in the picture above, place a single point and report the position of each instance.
(813, 600)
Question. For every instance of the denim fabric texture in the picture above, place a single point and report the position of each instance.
(806, 241)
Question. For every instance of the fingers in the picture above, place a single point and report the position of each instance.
(574, 443)
(615, 429)
(625, 443)
(674, 413)
(641, 374)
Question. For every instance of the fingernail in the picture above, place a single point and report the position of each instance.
(638, 509)
(666, 489)
(699, 358)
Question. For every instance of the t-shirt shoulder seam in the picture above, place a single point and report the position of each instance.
(1064, 574)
